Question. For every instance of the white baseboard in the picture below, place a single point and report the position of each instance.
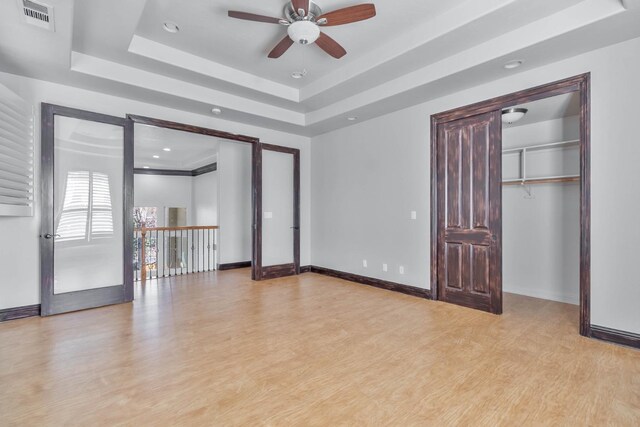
(543, 294)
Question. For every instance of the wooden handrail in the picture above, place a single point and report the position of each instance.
(191, 227)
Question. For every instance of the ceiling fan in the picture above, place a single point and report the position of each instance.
(304, 19)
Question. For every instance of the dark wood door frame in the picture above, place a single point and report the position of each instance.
(257, 273)
(271, 272)
(52, 303)
(580, 84)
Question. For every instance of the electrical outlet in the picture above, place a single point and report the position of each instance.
(385, 267)
(401, 269)
(364, 263)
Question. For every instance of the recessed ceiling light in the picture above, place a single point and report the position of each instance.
(299, 74)
(217, 111)
(156, 157)
(352, 119)
(170, 27)
(513, 64)
(166, 149)
(145, 167)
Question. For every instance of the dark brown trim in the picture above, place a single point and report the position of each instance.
(270, 272)
(585, 204)
(581, 84)
(559, 87)
(615, 336)
(305, 269)
(276, 271)
(190, 128)
(370, 281)
(164, 172)
(52, 303)
(256, 175)
(14, 313)
(212, 167)
(256, 200)
(234, 265)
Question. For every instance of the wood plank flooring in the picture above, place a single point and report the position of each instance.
(218, 349)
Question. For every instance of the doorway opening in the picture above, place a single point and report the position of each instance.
(541, 199)
(467, 240)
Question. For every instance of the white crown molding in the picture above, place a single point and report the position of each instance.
(114, 71)
(179, 58)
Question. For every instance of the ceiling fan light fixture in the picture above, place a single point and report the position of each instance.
(303, 32)
(512, 115)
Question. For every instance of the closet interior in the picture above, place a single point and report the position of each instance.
(541, 199)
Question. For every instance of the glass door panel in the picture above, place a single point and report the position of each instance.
(87, 232)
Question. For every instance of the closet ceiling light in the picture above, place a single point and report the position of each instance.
(166, 149)
(156, 157)
(352, 119)
(512, 115)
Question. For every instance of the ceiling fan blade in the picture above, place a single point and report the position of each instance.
(330, 46)
(281, 47)
(253, 17)
(301, 4)
(349, 14)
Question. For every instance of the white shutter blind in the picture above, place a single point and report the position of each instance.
(16, 155)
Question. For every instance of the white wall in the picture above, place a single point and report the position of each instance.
(20, 284)
(205, 199)
(162, 191)
(278, 208)
(234, 202)
(541, 232)
(367, 177)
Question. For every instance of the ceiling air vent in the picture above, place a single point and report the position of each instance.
(38, 14)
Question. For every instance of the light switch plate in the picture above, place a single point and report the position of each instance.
(364, 263)
(385, 267)
(268, 215)
(401, 269)
(414, 215)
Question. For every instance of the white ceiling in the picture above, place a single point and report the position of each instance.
(207, 31)
(189, 151)
(411, 52)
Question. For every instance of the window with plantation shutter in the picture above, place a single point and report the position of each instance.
(87, 213)
(16, 155)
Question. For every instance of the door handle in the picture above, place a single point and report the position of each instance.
(295, 228)
(49, 236)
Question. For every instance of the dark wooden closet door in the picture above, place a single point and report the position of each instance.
(469, 212)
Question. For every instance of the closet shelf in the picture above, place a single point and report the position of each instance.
(561, 144)
(522, 152)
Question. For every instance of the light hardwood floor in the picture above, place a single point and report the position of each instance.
(218, 349)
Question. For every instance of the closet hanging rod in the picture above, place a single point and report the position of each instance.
(543, 146)
(544, 180)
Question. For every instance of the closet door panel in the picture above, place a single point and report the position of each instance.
(469, 204)
(479, 143)
(453, 150)
(454, 265)
(480, 268)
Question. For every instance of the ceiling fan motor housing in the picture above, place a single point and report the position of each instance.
(303, 32)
